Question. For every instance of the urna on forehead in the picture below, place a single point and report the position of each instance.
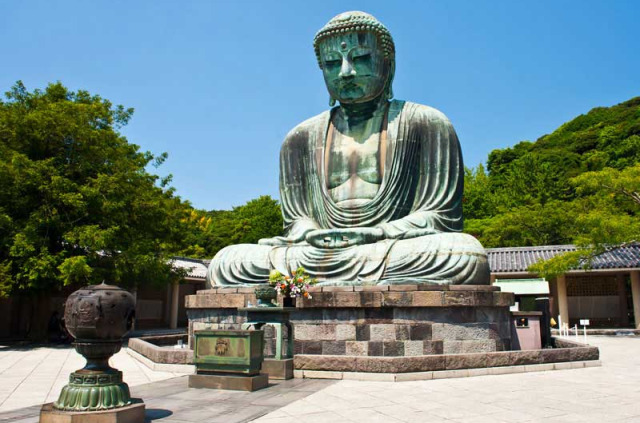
(353, 23)
(347, 41)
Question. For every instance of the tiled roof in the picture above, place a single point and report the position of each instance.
(518, 259)
(197, 268)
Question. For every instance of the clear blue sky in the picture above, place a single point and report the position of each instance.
(217, 85)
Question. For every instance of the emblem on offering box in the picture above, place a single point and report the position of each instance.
(222, 346)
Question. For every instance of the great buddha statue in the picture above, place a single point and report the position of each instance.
(371, 190)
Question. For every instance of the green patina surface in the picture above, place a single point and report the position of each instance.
(229, 351)
(94, 391)
(371, 190)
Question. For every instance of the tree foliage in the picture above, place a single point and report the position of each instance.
(246, 224)
(77, 205)
(580, 185)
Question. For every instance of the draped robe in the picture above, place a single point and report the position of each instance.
(418, 206)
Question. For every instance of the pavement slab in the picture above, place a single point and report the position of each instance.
(609, 393)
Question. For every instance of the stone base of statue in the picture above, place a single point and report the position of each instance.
(132, 413)
(376, 321)
(234, 382)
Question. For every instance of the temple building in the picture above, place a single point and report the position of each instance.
(608, 294)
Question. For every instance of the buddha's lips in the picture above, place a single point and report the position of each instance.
(348, 85)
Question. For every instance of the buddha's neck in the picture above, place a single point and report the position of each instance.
(356, 113)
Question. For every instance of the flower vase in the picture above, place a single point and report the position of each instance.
(265, 295)
(288, 302)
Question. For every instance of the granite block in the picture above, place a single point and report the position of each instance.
(359, 348)
(428, 298)
(333, 347)
(397, 299)
(363, 332)
(433, 347)
(465, 361)
(348, 299)
(337, 363)
(459, 298)
(370, 298)
(375, 348)
(392, 348)
(477, 346)
(420, 331)
(432, 287)
(382, 332)
(501, 299)
(337, 289)
(403, 288)
(345, 332)
(555, 355)
(525, 357)
(584, 353)
(311, 347)
(451, 347)
(371, 288)
(498, 359)
(463, 331)
(413, 348)
(402, 333)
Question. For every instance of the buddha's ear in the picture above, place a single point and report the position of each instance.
(332, 101)
(388, 91)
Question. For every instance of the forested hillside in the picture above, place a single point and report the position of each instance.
(578, 184)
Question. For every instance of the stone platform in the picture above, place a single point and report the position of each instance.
(232, 382)
(134, 413)
(375, 321)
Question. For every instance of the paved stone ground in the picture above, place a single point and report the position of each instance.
(599, 394)
(35, 375)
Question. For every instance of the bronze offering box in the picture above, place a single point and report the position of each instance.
(229, 351)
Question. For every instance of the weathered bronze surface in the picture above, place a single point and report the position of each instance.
(228, 351)
(98, 317)
(266, 295)
(99, 312)
(371, 190)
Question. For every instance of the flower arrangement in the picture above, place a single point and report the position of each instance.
(293, 286)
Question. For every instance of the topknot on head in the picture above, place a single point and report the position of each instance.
(356, 22)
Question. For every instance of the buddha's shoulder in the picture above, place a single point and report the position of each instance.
(302, 130)
(420, 112)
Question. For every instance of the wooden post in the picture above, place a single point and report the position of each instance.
(175, 301)
(167, 305)
(622, 295)
(563, 302)
(635, 293)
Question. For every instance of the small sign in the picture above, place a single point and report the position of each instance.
(584, 322)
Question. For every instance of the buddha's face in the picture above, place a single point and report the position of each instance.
(354, 67)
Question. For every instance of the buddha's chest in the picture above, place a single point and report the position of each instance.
(349, 158)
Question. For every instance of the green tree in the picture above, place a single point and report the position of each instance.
(607, 216)
(210, 231)
(77, 205)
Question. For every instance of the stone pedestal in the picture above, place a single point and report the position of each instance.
(278, 369)
(133, 413)
(378, 321)
(230, 381)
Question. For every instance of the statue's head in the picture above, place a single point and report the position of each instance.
(357, 56)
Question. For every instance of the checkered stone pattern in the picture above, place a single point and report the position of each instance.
(408, 320)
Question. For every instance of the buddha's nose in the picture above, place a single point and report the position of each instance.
(347, 70)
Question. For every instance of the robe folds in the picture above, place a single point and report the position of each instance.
(418, 206)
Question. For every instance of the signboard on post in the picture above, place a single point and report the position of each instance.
(584, 322)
